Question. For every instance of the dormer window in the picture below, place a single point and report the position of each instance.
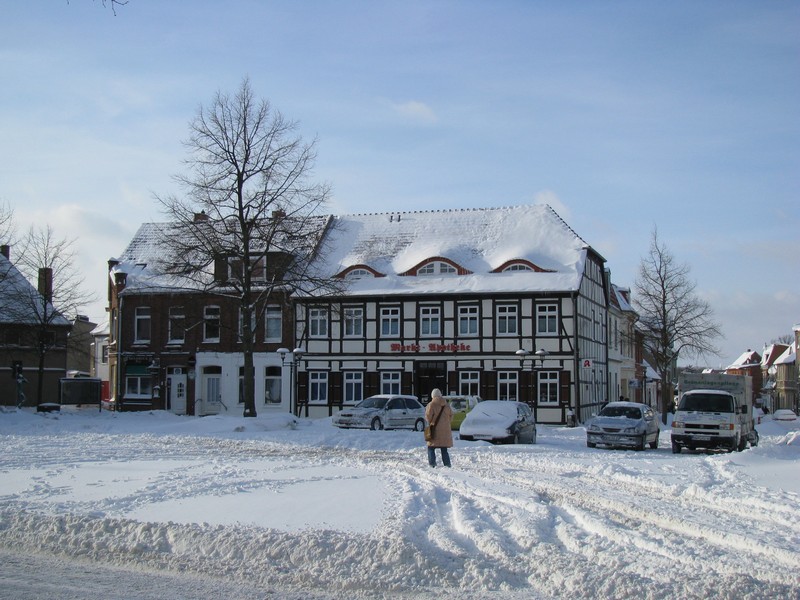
(517, 267)
(358, 274)
(436, 268)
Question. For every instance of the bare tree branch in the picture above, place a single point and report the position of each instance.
(250, 209)
(673, 319)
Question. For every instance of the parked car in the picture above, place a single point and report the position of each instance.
(499, 421)
(623, 424)
(784, 414)
(383, 411)
(461, 405)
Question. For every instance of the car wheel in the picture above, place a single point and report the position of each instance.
(376, 424)
(591, 445)
(654, 443)
(419, 425)
(642, 443)
(676, 448)
(754, 439)
(533, 439)
(742, 444)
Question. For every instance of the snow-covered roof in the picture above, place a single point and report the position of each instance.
(750, 358)
(621, 297)
(651, 372)
(22, 302)
(478, 241)
(789, 356)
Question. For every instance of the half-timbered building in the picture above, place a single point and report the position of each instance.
(503, 303)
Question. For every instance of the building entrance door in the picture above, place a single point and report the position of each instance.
(176, 386)
(429, 375)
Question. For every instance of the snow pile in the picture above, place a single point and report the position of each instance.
(293, 508)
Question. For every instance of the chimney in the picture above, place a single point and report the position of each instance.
(5, 250)
(46, 283)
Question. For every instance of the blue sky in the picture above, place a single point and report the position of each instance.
(623, 115)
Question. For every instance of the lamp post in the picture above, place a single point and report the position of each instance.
(291, 359)
(540, 355)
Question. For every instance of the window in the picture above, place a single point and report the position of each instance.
(429, 320)
(211, 324)
(273, 317)
(353, 322)
(138, 386)
(258, 269)
(353, 387)
(390, 382)
(104, 355)
(213, 384)
(390, 322)
(547, 319)
(436, 268)
(318, 387)
(142, 325)
(272, 386)
(252, 323)
(468, 320)
(507, 319)
(548, 387)
(507, 385)
(176, 324)
(517, 267)
(318, 322)
(358, 274)
(469, 383)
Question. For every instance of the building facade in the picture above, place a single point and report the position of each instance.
(448, 299)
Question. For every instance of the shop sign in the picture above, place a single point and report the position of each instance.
(456, 347)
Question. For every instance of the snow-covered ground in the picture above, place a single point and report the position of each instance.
(120, 505)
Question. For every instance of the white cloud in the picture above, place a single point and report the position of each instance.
(417, 111)
(551, 198)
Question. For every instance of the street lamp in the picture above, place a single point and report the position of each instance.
(291, 359)
(540, 355)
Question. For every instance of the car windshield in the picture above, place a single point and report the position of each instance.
(372, 403)
(628, 412)
(707, 403)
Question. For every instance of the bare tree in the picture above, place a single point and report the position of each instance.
(673, 319)
(42, 254)
(250, 222)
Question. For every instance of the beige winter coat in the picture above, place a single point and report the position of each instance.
(442, 434)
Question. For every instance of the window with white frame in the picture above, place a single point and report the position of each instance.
(358, 274)
(104, 354)
(354, 322)
(507, 385)
(518, 267)
(272, 386)
(212, 376)
(547, 319)
(318, 322)
(176, 325)
(273, 323)
(318, 387)
(390, 382)
(142, 324)
(430, 320)
(468, 320)
(390, 322)
(211, 323)
(506, 319)
(469, 383)
(353, 386)
(436, 268)
(138, 386)
(548, 387)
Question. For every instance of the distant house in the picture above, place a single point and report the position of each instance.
(786, 392)
(99, 358)
(769, 355)
(749, 363)
(33, 336)
(622, 381)
(79, 346)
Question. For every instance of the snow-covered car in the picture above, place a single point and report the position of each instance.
(499, 421)
(623, 424)
(784, 414)
(383, 411)
(460, 405)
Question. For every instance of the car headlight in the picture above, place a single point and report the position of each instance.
(677, 425)
(631, 430)
(594, 429)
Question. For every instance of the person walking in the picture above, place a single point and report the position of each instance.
(438, 414)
